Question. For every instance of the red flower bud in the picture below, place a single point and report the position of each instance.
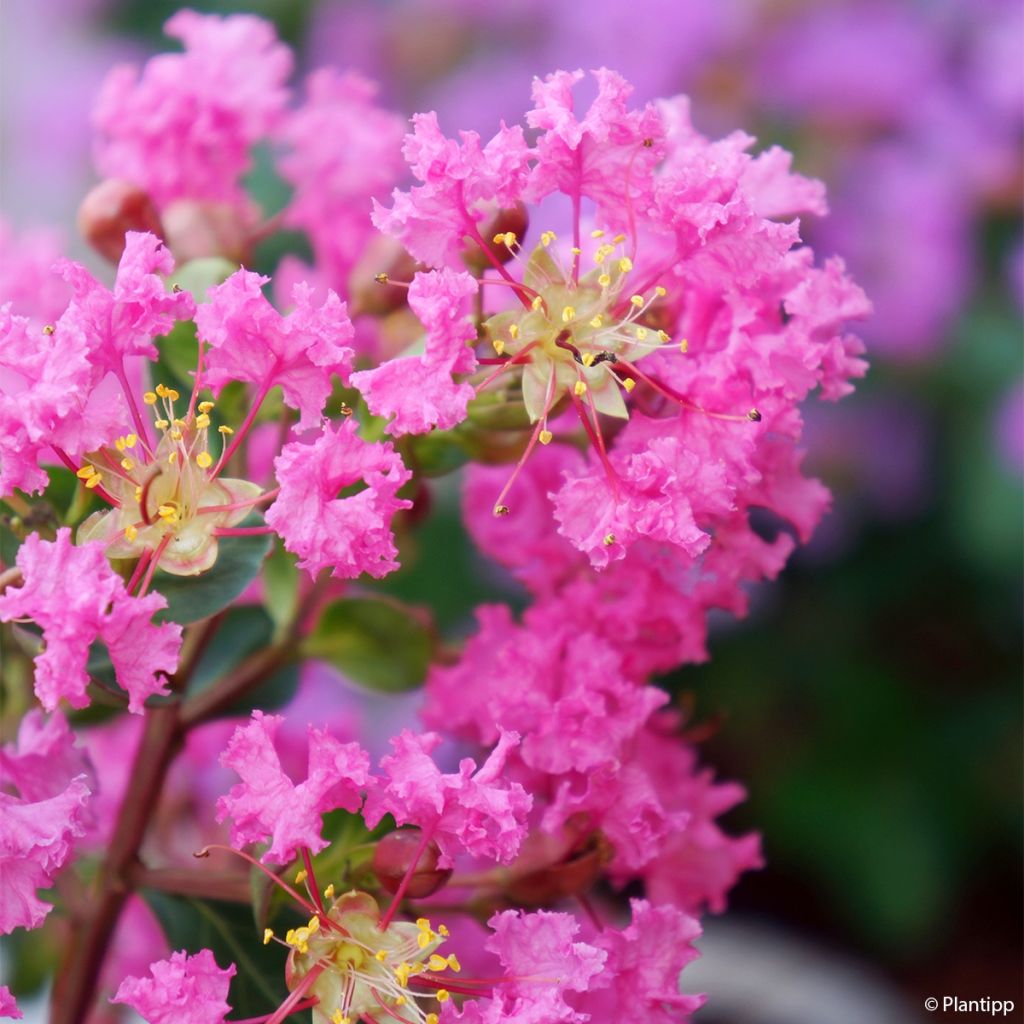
(112, 208)
(393, 856)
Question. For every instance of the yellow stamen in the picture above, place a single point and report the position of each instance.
(537, 303)
(94, 481)
(604, 280)
(442, 995)
(161, 390)
(329, 892)
(628, 383)
(499, 345)
(127, 464)
(567, 314)
(513, 331)
(453, 963)
(301, 876)
(641, 333)
(545, 437)
(625, 264)
(204, 460)
(609, 540)
(381, 955)
(205, 406)
(442, 931)
(225, 430)
(49, 329)
(130, 532)
(85, 472)
(173, 457)
(268, 934)
(149, 398)
(437, 963)
(587, 358)
(162, 424)
(402, 972)
(547, 238)
(597, 233)
(597, 321)
(637, 300)
(579, 388)
(431, 1018)
(684, 346)
(202, 421)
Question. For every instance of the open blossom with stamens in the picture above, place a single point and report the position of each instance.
(180, 990)
(680, 320)
(74, 595)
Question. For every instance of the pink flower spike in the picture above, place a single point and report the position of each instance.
(251, 341)
(74, 595)
(267, 804)
(36, 840)
(185, 126)
(418, 391)
(180, 990)
(9, 1005)
(352, 534)
(123, 321)
(477, 812)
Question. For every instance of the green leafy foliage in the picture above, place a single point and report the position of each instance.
(375, 642)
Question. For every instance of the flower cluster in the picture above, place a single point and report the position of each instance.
(611, 318)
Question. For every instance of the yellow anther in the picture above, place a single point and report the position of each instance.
(268, 934)
(597, 233)
(501, 510)
(637, 300)
(127, 465)
(576, 250)
(660, 292)
(684, 346)
(579, 388)
(138, 493)
(641, 333)
(628, 383)
(172, 394)
(289, 936)
(381, 278)
(625, 264)
(131, 441)
(437, 963)
(609, 539)
(85, 472)
(442, 995)
(180, 423)
(119, 444)
(329, 892)
(313, 925)
(205, 406)
(424, 939)
(597, 321)
(663, 336)
(162, 424)
(587, 358)
(225, 430)
(161, 390)
(547, 238)
(176, 434)
(149, 398)
(402, 972)
(94, 481)
(423, 923)
(418, 967)
(338, 1018)
(537, 303)
(453, 963)
(442, 931)
(604, 280)
(545, 437)
(173, 457)
(499, 345)
(431, 1018)
(381, 955)
(568, 313)
(168, 512)
(202, 421)
(130, 532)
(301, 876)
(204, 460)
(513, 331)
(506, 238)
(400, 1000)
(49, 329)
(619, 239)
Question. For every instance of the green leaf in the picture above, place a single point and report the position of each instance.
(282, 585)
(191, 598)
(198, 276)
(230, 933)
(374, 642)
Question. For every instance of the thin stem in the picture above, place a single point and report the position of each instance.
(154, 562)
(140, 424)
(140, 568)
(308, 1004)
(241, 531)
(307, 863)
(258, 500)
(239, 435)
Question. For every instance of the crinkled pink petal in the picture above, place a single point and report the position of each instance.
(45, 757)
(184, 127)
(250, 341)
(36, 840)
(353, 534)
(268, 805)
(9, 1005)
(471, 811)
(74, 595)
(418, 391)
(182, 989)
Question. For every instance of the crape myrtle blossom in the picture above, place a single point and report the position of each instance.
(40, 824)
(184, 127)
(685, 269)
(72, 593)
(180, 990)
(9, 1005)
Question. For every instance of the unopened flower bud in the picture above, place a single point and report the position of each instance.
(370, 283)
(196, 230)
(502, 234)
(112, 208)
(393, 856)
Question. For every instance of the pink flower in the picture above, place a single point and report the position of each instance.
(8, 1005)
(45, 757)
(267, 804)
(418, 391)
(460, 185)
(185, 126)
(343, 151)
(36, 840)
(250, 341)
(352, 534)
(472, 811)
(74, 595)
(641, 975)
(27, 280)
(180, 990)
(123, 322)
(545, 967)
